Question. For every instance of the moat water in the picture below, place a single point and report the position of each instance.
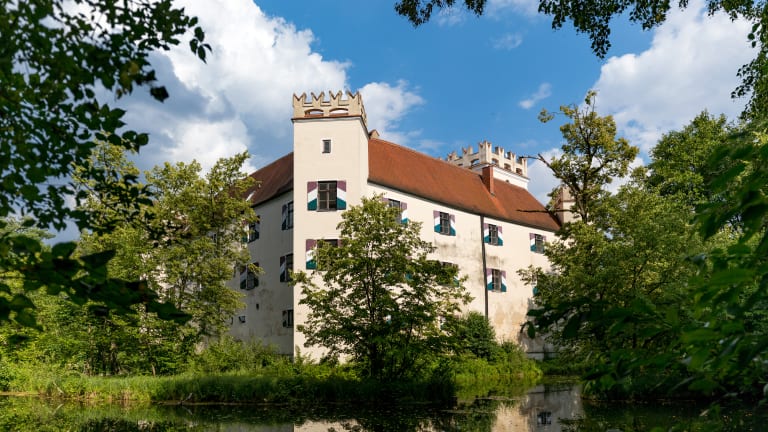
(543, 408)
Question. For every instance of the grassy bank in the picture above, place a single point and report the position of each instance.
(272, 379)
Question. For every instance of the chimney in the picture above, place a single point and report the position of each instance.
(488, 178)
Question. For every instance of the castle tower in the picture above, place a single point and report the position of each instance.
(330, 173)
(564, 204)
(506, 165)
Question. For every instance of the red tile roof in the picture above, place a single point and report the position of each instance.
(272, 180)
(409, 171)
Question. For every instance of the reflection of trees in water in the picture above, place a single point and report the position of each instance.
(480, 416)
(543, 409)
(120, 425)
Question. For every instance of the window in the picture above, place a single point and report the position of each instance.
(402, 217)
(288, 318)
(544, 418)
(537, 243)
(287, 216)
(446, 280)
(444, 223)
(286, 267)
(326, 195)
(492, 234)
(248, 277)
(327, 243)
(496, 280)
(254, 229)
(311, 252)
(326, 146)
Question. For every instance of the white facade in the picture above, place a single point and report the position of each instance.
(333, 147)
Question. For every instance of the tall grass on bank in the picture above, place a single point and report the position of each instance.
(232, 372)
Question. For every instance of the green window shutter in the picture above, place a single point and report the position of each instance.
(503, 281)
(312, 196)
(310, 250)
(341, 195)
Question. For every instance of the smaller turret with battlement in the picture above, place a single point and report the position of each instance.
(506, 165)
(319, 106)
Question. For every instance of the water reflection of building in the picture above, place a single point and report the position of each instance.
(541, 409)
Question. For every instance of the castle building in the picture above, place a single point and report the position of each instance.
(475, 209)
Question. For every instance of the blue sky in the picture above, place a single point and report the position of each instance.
(449, 84)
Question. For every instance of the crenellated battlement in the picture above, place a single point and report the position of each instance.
(487, 154)
(337, 105)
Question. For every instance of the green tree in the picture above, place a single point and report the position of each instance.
(592, 155)
(381, 299)
(679, 165)
(205, 219)
(474, 334)
(15, 306)
(57, 58)
(728, 349)
(617, 292)
(202, 219)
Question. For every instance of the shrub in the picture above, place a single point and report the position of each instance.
(230, 355)
(472, 333)
(6, 376)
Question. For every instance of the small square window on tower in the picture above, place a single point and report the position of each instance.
(326, 146)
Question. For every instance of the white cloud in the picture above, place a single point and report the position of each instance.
(240, 99)
(690, 66)
(385, 105)
(544, 91)
(508, 41)
(542, 181)
(451, 16)
(431, 146)
(208, 141)
(525, 7)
